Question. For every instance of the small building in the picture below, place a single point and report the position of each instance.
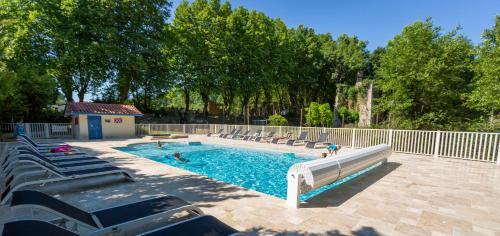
(98, 120)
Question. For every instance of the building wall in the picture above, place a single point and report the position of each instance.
(113, 128)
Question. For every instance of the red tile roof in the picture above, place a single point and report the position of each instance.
(101, 108)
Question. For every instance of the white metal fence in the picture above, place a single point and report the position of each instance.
(40, 130)
(463, 145)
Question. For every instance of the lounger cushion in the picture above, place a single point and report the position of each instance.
(202, 225)
(125, 213)
(34, 228)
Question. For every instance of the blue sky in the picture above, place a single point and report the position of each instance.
(377, 21)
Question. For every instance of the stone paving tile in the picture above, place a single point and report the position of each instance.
(411, 195)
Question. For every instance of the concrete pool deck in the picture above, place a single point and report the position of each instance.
(410, 195)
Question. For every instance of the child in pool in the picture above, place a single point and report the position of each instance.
(323, 155)
(177, 157)
(159, 145)
(332, 148)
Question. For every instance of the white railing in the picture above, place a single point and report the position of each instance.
(463, 145)
(41, 130)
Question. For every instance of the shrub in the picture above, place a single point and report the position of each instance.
(277, 120)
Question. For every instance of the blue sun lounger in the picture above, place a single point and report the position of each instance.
(128, 218)
(300, 140)
(53, 175)
(200, 225)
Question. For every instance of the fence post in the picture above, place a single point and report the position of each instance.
(353, 138)
(149, 129)
(390, 138)
(498, 151)
(27, 129)
(438, 141)
(280, 132)
(184, 128)
(46, 129)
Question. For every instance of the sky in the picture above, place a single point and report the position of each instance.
(377, 21)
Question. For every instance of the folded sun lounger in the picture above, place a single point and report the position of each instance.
(281, 140)
(321, 142)
(241, 136)
(118, 219)
(300, 140)
(215, 134)
(230, 133)
(235, 135)
(200, 225)
(253, 136)
(50, 174)
(265, 138)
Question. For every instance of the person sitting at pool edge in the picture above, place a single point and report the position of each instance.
(332, 148)
(177, 157)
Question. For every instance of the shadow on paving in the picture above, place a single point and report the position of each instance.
(197, 189)
(340, 194)
(364, 231)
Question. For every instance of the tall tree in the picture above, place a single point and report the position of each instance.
(423, 75)
(485, 95)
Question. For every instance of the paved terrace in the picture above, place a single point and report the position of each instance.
(411, 195)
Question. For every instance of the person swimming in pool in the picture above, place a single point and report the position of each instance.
(332, 148)
(177, 157)
(323, 155)
(159, 145)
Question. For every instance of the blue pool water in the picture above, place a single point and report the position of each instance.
(263, 171)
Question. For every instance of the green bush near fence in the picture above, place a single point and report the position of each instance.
(277, 120)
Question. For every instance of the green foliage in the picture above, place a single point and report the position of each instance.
(348, 116)
(319, 115)
(325, 114)
(485, 95)
(422, 77)
(313, 116)
(277, 120)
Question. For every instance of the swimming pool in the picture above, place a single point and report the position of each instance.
(263, 171)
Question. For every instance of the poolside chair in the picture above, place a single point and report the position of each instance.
(30, 140)
(130, 219)
(215, 134)
(200, 225)
(41, 147)
(235, 135)
(50, 175)
(34, 160)
(46, 152)
(300, 140)
(241, 136)
(251, 137)
(266, 138)
(230, 133)
(321, 142)
(282, 139)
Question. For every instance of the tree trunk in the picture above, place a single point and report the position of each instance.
(186, 104)
(67, 87)
(244, 110)
(205, 98)
(256, 105)
(124, 87)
